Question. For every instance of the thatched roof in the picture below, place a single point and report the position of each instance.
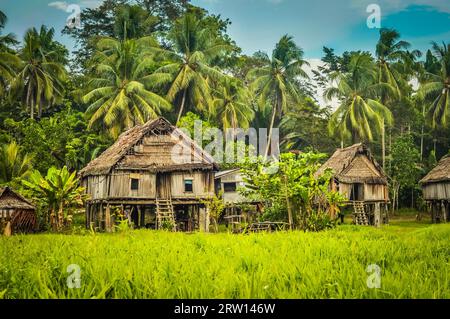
(12, 200)
(354, 164)
(440, 173)
(155, 146)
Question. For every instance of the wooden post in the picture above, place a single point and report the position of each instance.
(88, 216)
(433, 213)
(142, 216)
(108, 219)
(443, 212)
(377, 215)
(204, 220)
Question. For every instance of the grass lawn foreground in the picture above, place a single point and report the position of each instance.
(413, 258)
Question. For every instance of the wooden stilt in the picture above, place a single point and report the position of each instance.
(108, 219)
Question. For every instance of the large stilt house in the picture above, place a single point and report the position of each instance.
(155, 176)
(436, 191)
(362, 181)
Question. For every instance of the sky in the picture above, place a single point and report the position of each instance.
(259, 24)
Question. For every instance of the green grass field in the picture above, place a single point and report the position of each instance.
(413, 257)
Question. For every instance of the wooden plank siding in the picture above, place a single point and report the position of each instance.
(118, 185)
(436, 191)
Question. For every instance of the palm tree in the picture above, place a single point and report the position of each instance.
(359, 114)
(232, 105)
(119, 97)
(39, 81)
(188, 71)
(5, 40)
(133, 22)
(13, 164)
(390, 51)
(437, 89)
(8, 60)
(277, 81)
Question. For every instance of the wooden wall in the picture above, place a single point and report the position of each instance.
(375, 192)
(372, 192)
(436, 191)
(203, 184)
(118, 185)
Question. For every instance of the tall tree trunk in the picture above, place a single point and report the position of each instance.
(422, 133)
(183, 101)
(288, 204)
(29, 101)
(272, 123)
(383, 144)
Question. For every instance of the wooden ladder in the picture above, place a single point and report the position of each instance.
(360, 216)
(165, 213)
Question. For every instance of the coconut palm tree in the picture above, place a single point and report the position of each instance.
(359, 114)
(232, 105)
(188, 72)
(5, 40)
(8, 60)
(277, 81)
(118, 96)
(40, 79)
(13, 164)
(393, 60)
(437, 88)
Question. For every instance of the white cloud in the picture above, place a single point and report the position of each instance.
(314, 65)
(60, 5)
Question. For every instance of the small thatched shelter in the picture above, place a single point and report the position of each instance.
(155, 176)
(359, 177)
(436, 190)
(16, 213)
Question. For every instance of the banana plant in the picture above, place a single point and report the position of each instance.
(59, 193)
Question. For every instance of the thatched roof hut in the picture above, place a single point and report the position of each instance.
(359, 177)
(156, 153)
(155, 165)
(355, 164)
(438, 175)
(17, 210)
(436, 190)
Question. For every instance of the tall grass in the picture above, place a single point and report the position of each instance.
(150, 264)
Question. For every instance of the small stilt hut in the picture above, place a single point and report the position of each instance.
(436, 191)
(359, 177)
(155, 176)
(17, 214)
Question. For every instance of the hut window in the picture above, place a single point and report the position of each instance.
(188, 185)
(229, 187)
(134, 184)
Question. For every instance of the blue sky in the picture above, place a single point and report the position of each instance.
(258, 24)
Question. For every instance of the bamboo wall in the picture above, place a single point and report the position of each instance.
(436, 191)
(372, 192)
(118, 185)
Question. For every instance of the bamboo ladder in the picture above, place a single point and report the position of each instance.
(359, 214)
(165, 213)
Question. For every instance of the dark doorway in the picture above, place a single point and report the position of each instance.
(357, 193)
